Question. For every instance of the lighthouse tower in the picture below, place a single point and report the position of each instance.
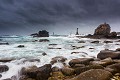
(77, 32)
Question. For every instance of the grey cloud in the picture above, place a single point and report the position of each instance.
(51, 13)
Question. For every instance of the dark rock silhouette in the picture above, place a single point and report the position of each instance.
(42, 33)
(77, 32)
(103, 29)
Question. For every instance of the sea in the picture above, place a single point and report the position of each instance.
(70, 47)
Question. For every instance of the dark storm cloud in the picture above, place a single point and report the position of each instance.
(29, 14)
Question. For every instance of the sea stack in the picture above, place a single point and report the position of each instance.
(103, 29)
(42, 33)
(77, 32)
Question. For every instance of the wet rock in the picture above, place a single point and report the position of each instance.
(86, 68)
(103, 29)
(108, 42)
(58, 59)
(3, 68)
(31, 60)
(6, 60)
(115, 68)
(41, 73)
(68, 71)
(81, 42)
(44, 40)
(0, 75)
(4, 43)
(44, 54)
(75, 52)
(53, 44)
(118, 49)
(93, 74)
(53, 48)
(95, 41)
(91, 48)
(109, 53)
(42, 33)
(56, 76)
(55, 69)
(112, 35)
(21, 46)
(105, 62)
(80, 61)
(78, 65)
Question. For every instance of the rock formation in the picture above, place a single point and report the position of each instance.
(42, 33)
(103, 29)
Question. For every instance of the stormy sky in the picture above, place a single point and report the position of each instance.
(23, 17)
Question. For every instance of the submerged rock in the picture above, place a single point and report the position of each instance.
(21, 46)
(4, 43)
(3, 68)
(44, 40)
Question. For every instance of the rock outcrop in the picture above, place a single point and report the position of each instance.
(103, 29)
(42, 33)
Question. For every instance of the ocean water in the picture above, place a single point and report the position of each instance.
(34, 50)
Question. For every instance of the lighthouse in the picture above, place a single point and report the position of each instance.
(77, 32)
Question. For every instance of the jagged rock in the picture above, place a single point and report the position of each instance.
(3, 68)
(109, 53)
(93, 74)
(103, 29)
(42, 33)
(44, 40)
(112, 35)
(80, 61)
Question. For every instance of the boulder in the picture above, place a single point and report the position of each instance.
(42, 33)
(105, 62)
(44, 54)
(108, 42)
(58, 59)
(41, 73)
(93, 74)
(44, 40)
(3, 68)
(118, 49)
(21, 46)
(114, 67)
(68, 71)
(56, 76)
(109, 53)
(80, 61)
(86, 68)
(6, 60)
(4, 43)
(103, 29)
(95, 41)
